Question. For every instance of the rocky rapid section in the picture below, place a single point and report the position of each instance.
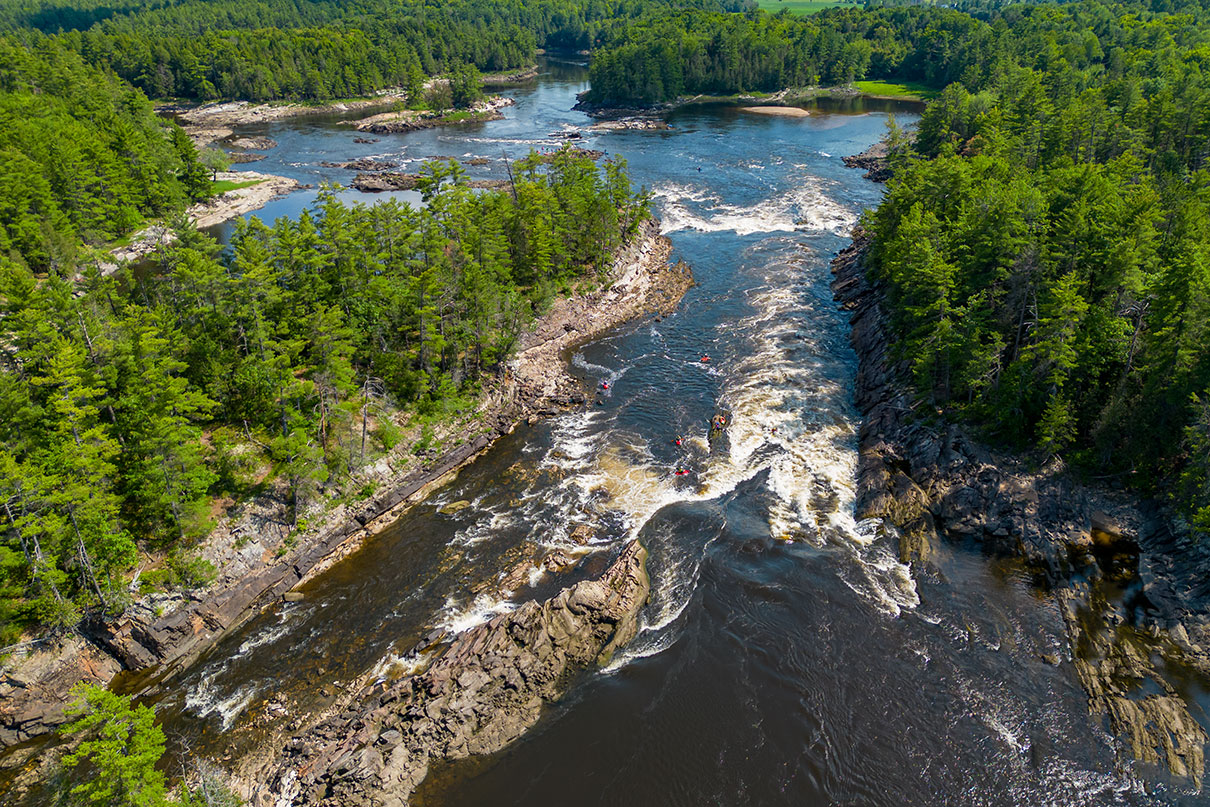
(478, 694)
(932, 480)
(257, 566)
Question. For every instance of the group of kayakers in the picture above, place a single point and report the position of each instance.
(718, 423)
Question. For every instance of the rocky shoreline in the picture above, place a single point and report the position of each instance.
(783, 102)
(206, 123)
(214, 211)
(160, 637)
(876, 160)
(410, 120)
(510, 78)
(933, 481)
(480, 692)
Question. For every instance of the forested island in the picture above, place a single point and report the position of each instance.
(1041, 253)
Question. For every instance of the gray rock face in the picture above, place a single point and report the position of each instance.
(254, 143)
(362, 164)
(930, 479)
(482, 693)
(875, 160)
(376, 182)
(33, 694)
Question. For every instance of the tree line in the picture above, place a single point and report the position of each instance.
(280, 49)
(128, 404)
(659, 58)
(1046, 243)
(83, 158)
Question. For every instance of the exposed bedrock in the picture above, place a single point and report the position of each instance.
(481, 693)
(931, 479)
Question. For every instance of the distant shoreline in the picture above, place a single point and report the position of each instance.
(785, 99)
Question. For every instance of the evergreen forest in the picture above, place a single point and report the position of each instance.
(1045, 241)
(128, 403)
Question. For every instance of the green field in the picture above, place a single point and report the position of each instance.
(908, 90)
(224, 185)
(798, 6)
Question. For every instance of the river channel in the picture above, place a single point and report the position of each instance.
(815, 671)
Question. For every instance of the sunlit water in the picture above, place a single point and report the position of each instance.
(787, 656)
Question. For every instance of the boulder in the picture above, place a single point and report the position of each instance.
(377, 182)
(484, 691)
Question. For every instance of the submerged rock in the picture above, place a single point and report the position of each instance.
(485, 690)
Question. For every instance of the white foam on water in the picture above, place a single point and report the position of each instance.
(503, 141)
(395, 666)
(810, 459)
(805, 207)
(205, 698)
(457, 618)
(267, 636)
(788, 417)
(576, 438)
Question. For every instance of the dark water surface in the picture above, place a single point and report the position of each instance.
(820, 671)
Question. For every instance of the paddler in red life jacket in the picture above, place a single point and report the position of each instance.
(679, 440)
(718, 422)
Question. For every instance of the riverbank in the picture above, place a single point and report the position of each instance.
(1092, 546)
(259, 558)
(254, 191)
(785, 102)
(209, 123)
(473, 696)
(411, 120)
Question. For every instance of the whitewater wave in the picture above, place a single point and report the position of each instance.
(207, 698)
(806, 207)
(457, 617)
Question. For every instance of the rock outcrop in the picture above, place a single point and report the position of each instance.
(876, 161)
(481, 693)
(362, 164)
(521, 76)
(931, 479)
(254, 143)
(377, 182)
(410, 120)
(253, 573)
(33, 694)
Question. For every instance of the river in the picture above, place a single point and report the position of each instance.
(819, 670)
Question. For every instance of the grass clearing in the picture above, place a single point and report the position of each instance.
(908, 90)
(800, 7)
(225, 185)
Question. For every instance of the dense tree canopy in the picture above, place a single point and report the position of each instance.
(289, 348)
(1046, 244)
(82, 156)
(283, 49)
